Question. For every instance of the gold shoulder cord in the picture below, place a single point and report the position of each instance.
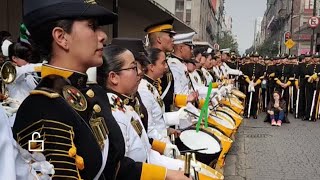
(78, 160)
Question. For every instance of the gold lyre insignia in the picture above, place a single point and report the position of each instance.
(136, 126)
(100, 130)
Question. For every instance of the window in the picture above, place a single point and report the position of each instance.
(308, 4)
(188, 4)
(179, 6)
(179, 15)
(188, 16)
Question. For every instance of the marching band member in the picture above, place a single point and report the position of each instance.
(26, 77)
(253, 75)
(121, 78)
(197, 76)
(160, 35)
(71, 119)
(207, 67)
(183, 85)
(160, 120)
(226, 69)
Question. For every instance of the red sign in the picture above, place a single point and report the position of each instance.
(313, 22)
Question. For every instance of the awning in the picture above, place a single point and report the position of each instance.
(134, 16)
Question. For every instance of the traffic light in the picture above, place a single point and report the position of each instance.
(287, 36)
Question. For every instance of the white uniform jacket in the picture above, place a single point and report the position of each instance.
(158, 120)
(182, 84)
(137, 145)
(196, 79)
(24, 82)
(182, 81)
(207, 75)
(218, 74)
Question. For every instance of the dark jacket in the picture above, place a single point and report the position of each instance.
(282, 105)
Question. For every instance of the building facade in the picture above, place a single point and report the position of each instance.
(206, 17)
(289, 16)
(257, 33)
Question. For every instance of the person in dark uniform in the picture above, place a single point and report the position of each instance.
(78, 132)
(301, 73)
(264, 85)
(242, 67)
(283, 76)
(293, 88)
(160, 35)
(253, 77)
(312, 83)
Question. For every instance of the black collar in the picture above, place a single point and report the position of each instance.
(76, 79)
(150, 80)
(126, 100)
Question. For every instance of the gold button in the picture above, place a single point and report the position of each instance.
(90, 93)
(97, 108)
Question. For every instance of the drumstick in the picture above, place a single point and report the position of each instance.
(191, 113)
(172, 137)
(196, 175)
(193, 150)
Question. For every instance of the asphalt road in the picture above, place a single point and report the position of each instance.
(265, 152)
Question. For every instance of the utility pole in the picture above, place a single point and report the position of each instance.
(312, 36)
(291, 17)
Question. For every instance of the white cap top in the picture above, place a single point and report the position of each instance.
(183, 38)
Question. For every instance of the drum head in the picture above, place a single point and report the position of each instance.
(226, 116)
(223, 122)
(190, 139)
(203, 140)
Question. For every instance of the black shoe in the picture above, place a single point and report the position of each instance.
(255, 117)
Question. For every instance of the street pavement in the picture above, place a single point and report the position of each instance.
(265, 152)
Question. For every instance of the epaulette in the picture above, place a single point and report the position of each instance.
(50, 95)
(272, 75)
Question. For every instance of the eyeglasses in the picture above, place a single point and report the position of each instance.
(135, 68)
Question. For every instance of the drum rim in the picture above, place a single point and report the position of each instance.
(228, 108)
(237, 90)
(234, 127)
(235, 123)
(212, 135)
(204, 166)
(225, 138)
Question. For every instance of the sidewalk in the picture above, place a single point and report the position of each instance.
(265, 152)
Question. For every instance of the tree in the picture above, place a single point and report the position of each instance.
(268, 48)
(227, 41)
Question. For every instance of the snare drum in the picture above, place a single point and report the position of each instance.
(238, 119)
(236, 99)
(224, 126)
(225, 143)
(206, 172)
(238, 93)
(190, 139)
(238, 108)
(224, 116)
